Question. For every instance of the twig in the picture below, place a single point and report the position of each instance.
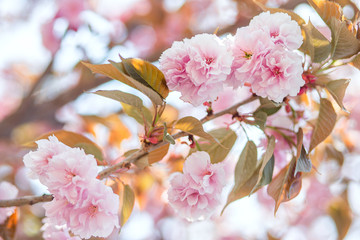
(131, 159)
(27, 200)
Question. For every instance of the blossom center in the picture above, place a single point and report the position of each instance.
(92, 210)
(276, 71)
(209, 60)
(274, 34)
(69, 175)
(248, 55)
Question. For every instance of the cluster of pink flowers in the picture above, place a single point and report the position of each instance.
(82, 203)
(260, 55)
(7, 191)
(196, 192)
(197, 67)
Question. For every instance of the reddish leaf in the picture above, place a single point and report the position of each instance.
(110, 71)
(337, 90)
(340, 212)
(327, 10)
(194, 126)
(72, 140)
(344, 43)
(315, 44)
(285, 186)
(324, 124)
(158, 154)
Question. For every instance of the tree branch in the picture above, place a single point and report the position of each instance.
(129, 160)
(27, 200)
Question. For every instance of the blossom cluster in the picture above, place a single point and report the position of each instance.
(196, 192)
(260, 55)
(7, 191)
(82, 203)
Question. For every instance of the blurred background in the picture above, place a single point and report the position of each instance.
(44, 87)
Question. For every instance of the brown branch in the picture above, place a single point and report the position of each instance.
(125, 163)
(142, 152)
(27, 200)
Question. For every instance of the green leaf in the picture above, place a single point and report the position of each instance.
(344, 43)
(142, 86)
(267, 106)
(327, 10)
(193, 126)
(315, 44)
(141, 116)
(128, 200)
(167, 137)
(337, 90)
(72, 139)
(260, 119)
(267, 166)
(324, 124)
(146, 73)
(286, 185)
(226, 137)
(122, 97)
(245, 173)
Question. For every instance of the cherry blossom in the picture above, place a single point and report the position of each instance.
(197, 67)
(67, 169)
(195, 194)
(57, 232)
(280, 75)
(38, 161)
(96, 213)
(280, 28)
(248, 47)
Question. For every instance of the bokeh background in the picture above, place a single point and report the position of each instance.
(43, 86)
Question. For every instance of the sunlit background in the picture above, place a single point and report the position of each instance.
(44, 87)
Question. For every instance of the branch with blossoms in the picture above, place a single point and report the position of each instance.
(278, 59)
(126, 163)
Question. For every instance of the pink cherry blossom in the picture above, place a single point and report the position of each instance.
(7, 191)
(96, 213)
(49, 40)
(70, 10)
(197, 67)
(67, 169)
(207, 177)
(280, 75)
(249, 47)
(196, 193)
(280, 28)
(38, 161)
(58, 211)
(51, 232)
